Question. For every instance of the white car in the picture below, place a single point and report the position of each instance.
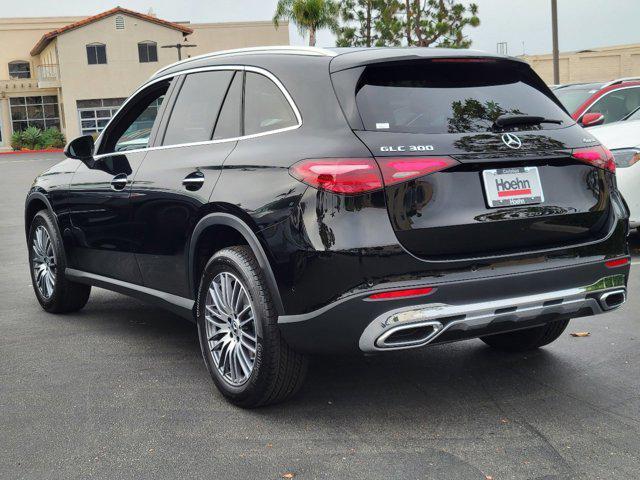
(623, 139)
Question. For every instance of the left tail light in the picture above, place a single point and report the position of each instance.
(351, 176)
(597, 156)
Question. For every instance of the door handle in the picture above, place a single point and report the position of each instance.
(193, 181)
(119, 182)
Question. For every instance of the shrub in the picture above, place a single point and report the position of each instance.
(32, 138)
(52, 138)
(16, 140)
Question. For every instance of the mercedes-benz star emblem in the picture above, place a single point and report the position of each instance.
(511, 140)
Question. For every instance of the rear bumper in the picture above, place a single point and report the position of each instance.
(457, 310)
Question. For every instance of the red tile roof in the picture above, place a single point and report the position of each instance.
(47, 37)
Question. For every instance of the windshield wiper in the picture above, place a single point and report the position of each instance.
(509, 119)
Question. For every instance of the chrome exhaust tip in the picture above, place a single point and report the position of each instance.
(409, 335)
(612, 299)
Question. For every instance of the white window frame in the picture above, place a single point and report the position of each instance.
(95, 119)
(42, 104)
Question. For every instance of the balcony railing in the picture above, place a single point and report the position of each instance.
(48, 73)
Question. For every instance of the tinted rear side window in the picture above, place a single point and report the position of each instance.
(228, 125)
(265, 106)
(196, 109)
(449, 96)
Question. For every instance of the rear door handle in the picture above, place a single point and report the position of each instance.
(119, 182)
(193, 181)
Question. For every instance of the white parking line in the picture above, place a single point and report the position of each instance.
(5, 162)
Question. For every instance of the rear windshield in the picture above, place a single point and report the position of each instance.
(573, 98)
(451, 96)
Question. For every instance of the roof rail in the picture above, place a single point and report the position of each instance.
(620, 80)
(292, 50)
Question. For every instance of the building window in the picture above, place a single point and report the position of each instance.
(41, 112)
(19, 69)
(148, 52)
(96, 53)
(95, 114)
(119, 22)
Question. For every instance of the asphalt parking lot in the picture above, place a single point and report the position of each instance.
(119, 390)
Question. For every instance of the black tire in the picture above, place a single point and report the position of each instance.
(278, 371)
(66, 296)
(528, 339)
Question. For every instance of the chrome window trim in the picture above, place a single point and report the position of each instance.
(286, 49)
(601, 97)
(241, 68)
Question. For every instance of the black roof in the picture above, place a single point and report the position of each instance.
(339, 58)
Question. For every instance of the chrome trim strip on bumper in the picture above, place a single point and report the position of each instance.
(376, 335)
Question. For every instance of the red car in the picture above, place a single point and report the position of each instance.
(598, 103)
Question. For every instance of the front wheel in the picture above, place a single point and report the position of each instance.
(47, 263)
(240, 340)
(527, 339)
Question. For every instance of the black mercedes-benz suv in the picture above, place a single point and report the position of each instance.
(294, 201)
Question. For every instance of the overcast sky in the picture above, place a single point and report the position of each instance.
(583, 23)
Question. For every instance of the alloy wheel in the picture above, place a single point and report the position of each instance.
(230, 328)
(43, 262)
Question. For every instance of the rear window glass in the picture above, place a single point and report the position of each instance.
(451, 96)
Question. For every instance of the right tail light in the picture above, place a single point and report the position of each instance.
(597, 156)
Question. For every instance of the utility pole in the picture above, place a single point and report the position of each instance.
(554, 33)
(179, 47)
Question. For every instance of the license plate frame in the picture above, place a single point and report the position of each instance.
(511, 187)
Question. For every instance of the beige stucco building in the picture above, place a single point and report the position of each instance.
(594, 65)
(74, 72)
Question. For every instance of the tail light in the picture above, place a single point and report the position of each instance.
(626, 157)
(339, 175)
(400, 169)
(351, 176)
(597, 156)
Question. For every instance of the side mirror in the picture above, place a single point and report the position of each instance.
(592, 119)
(80, 148)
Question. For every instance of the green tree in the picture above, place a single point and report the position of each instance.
(308, 15)
(438, 23)
(422, 23)
(370, 23)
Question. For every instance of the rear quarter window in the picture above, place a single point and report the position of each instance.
(265, 106)
(445, 96)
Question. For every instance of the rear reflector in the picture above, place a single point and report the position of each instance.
(351, 176)
(618, 262)
(597, 156)
(411, 292)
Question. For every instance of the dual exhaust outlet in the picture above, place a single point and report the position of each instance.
(419, 333)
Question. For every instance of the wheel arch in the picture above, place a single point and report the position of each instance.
(35, 202)
(246, 235)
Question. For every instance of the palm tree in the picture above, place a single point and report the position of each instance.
(308, 15)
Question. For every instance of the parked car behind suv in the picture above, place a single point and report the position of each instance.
(294, 201)
(592, 104)
(623, 138)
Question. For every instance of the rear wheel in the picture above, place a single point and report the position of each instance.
(528, 339)
(239, 337)
(47, 264)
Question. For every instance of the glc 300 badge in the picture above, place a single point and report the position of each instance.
(406, 148)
